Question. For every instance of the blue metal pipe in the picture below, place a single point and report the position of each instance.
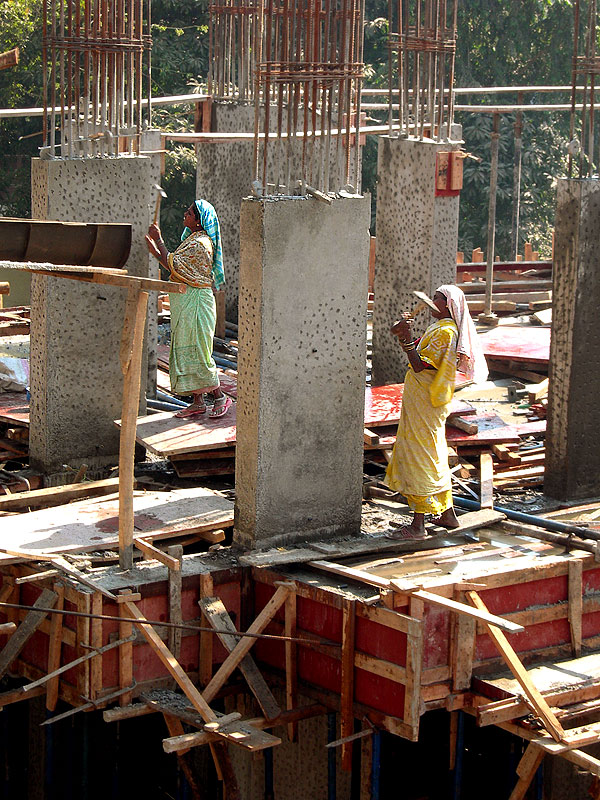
(331, 765)
(268, 757)
(376, 765)
(160, 406)
(458, 757)
(223, 362)
(530, 519)
(168, 398)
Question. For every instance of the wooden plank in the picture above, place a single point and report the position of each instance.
(216, 614)
(464, 651)
(291, 663)
(464, 425)
(486, 480)
(504, 452)
(82, 627)
(57, 495)
(461, 608)
(54, 647)
(350, 572)
(243, 647)
(26, 629)
(369, 437)
(528, 766)
(366, 768)
(581, 759)
(513, 662)
(9, 59)
(536, 391)
(414, 666)
(205, 657)
(379, 666)
(126, 649)
(96, 642)
(154, 553)
(237, 733)
(347, 685)
(175, 615)
(131, 362)
(575, 589)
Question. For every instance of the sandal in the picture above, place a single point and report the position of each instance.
(221, 406)
(406, 534)
(192, 410)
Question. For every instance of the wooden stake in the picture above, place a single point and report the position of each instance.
(26, 629)
(125, 651)
(205, 657)
(575, 604)
(347, 691)
(132, 344)
(486, 480)
(291, 664)
(175, 634)
(54, 647)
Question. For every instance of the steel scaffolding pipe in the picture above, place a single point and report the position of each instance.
(96, 60)
(586, 64)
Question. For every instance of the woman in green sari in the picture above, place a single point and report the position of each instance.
(197, 262)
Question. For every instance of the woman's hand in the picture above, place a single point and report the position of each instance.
(154, 233)
(403, 328)
(152, 247)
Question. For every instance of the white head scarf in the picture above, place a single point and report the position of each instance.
(471, 360)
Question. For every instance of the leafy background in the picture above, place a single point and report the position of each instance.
(518, 42)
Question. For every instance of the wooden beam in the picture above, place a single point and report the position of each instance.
(243, 647)
(513, 662)
(291, 663)
(10, 58)
(125, 598)
(26, 629)
(237, 733)
(464, 651)
(132, 343)
(575, 604)
(347, 688)
(414, 665)
(528, 766)
(54, 647)
(349, 572)
(57, 495)
(205, 657)
(486, 480)
(216, 614)
(175, 615)
(175, 728)
(463, 608)
(154, 553)
(96, 642)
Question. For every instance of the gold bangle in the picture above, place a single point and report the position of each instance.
(409, 347)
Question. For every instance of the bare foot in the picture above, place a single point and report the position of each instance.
(448, 519)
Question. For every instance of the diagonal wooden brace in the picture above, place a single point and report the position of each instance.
(243, 647)
(513, 662)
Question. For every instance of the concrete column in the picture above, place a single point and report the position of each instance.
(572, 439)
(76, 379)
(224, 176)
(417, 240)
(303, 302)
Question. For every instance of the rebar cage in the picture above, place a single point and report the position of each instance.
(96, 58)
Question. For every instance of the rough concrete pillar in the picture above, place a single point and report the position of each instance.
(303, 303)
(417, 240)
(572, 439)
(76, 379)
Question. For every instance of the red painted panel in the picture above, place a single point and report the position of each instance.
(591, 580)
(590, 624)
(517, 343)
(521, 596)
(383, 404)
(380, 641)
(319, 670)
(436, 635)
(380, 693)
(535, 637)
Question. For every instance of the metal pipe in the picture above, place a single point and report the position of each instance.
(531, 519)
(488, 317)
(331, 757)
(516, 204)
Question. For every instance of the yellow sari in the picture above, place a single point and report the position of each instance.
(419, 465)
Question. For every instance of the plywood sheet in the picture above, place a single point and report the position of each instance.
(94, 524)
(14, 408)
(167, 435)
(383, 405)
(517, 343)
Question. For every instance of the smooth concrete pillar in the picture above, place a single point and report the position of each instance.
(417, 240)
(573, 432)
(301, 369)
(76, 379)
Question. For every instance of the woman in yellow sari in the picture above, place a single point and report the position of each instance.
(419, 465)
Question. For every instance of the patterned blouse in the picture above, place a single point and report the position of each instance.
(192, 262)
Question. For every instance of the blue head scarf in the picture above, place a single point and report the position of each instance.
(210, 223)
